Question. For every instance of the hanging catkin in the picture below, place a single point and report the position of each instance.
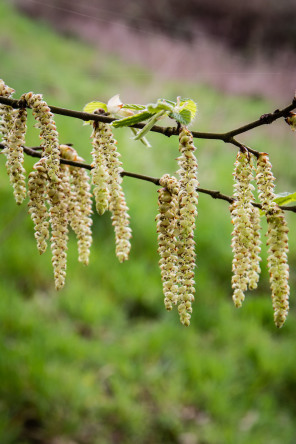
(246, 230)
(57, 191)
(99, 172)
(48, 133)
(277, 240)
(166, 228)
(108, 170)
(187, 201)
(37, 185)
(5, 112)
(80, 204)
(15, 154)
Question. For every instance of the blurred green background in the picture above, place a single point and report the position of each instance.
(102, 361)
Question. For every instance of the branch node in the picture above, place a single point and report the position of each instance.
(267, 118)
(170, 131)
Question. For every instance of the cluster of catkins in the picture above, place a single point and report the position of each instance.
(246, 234)
(108, 192)
(59, 194)
(177, 203)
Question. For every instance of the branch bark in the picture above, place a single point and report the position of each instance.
(227, 137)
(215, 194)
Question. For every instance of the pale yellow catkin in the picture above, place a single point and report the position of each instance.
(15, 154)
(166, 228)
(59, 226)
(48, 133)
(6, 118)
(277, 240)
(37, 185)
(246, 230)
(255, 249)
(80, 204)
(81, 221)
(99, 172)
(108, 184)
(187, 201)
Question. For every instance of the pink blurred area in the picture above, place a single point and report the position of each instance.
(238, 47)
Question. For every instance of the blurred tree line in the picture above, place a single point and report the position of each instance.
(268, 25)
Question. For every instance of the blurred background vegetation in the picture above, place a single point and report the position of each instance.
(102, 361)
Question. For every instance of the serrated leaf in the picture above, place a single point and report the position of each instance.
(137, 118)
(184, 116)
(285, 198)
(154, 108)
(134, 106)
(170, 102)
(188, 105)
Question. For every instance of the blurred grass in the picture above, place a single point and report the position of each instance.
(102, 362)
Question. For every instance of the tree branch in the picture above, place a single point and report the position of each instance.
(227, 137)
(215, 194)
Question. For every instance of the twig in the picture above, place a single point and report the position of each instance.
(227, 137)
(215, 194)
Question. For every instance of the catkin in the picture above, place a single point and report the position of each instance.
(187, 201)
(38, 211)
(81, 221)
(108, 170)
(48, 133)
(99, 172)
(5, 112)
(254, 250)
(56, 192)
(246, 230)
(15, 154)
(80, 204)
(166, 228)
(277, 240)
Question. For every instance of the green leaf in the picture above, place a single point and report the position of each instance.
(184, 116)
(143, 139)
(135, 107)
(149, 125)
(170, 102)
(131, 120)
(92, 106)
(189, 105)
(184, 111)
(282, 199)
(285, 198)
(161, 105)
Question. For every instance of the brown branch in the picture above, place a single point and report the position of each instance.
(227, 137)
(215, 194)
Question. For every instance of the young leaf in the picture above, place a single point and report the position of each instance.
(134, 106)
(131, 120)
(149, 125)
(169, 102)
(92, 106)
(285, 198)
(143, 139)
(189, 105)
(184, 116)
(154, 108)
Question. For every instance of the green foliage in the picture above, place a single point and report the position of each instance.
(102, 362)
(285, 198)
(127, 121)
(183, 111)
